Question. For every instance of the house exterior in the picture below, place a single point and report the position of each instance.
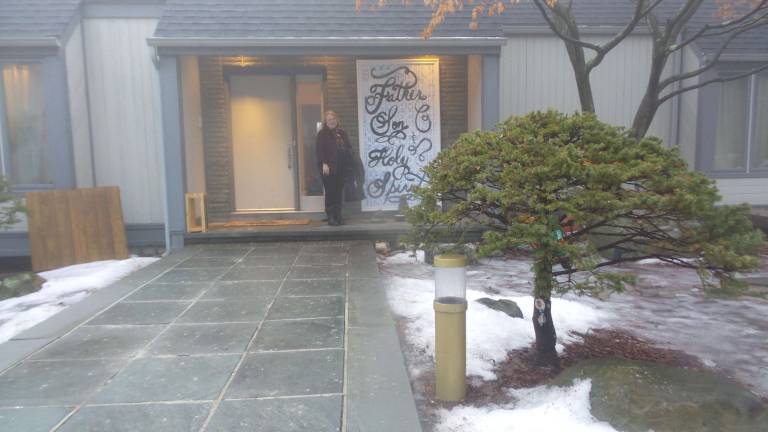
(162, 98)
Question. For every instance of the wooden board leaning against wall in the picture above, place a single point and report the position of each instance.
(73, 226)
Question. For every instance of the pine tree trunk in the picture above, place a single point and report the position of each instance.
(543, 326)
(546, 337)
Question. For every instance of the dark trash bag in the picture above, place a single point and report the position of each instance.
(353, 189)
(354, 176)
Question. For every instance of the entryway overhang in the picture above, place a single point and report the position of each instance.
(353, 46)
(171, 52)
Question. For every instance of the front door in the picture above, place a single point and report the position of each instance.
(263, 143)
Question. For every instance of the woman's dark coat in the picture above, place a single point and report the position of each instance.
(329, 147)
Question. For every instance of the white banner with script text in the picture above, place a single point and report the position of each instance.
(399, 123)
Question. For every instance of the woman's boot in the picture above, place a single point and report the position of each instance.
(339, 220)
(332, 219)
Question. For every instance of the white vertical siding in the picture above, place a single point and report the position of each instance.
(536, 74)
(689, 109)
(124, 92)
(193, 124)
(749, 190)
(78, 108)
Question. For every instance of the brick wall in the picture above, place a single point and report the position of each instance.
(217, 144)
(340, 96)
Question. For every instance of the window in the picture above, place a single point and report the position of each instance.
(741, 142)
(760, 138)
(25, 155)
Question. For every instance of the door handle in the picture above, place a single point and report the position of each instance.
(291, 153)
(290, 156)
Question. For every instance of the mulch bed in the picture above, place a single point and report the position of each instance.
(519, 370)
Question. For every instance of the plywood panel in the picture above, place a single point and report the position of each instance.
(74, 226)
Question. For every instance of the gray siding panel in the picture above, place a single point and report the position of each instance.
(173, 154)
(124, 92)
(689, 108)
(78, 109)
(537, 75)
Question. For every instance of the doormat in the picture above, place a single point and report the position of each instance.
(257, 223)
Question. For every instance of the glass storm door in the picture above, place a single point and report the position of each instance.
(309, 117)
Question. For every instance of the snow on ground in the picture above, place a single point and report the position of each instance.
(490, 333)
(668, 307)
(63, 287)
(538, 409)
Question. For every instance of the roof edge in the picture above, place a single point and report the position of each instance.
(584, 30)
(46, 42)
(325, 42)
(744, 58)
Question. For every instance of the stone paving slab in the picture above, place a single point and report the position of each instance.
(35, 419)
(140, 313)
(168, 292)
(191, 275)
(224, 311)
(242, 290)
(288, 373)
(322, 260)
(169, 379)
(135, 418)
(300, 334)
(190, 339)
(208, 262)
(314, 287)
(243, 273)
(315, 414)
(100, 342)
(213, 338)
(14, 350)
(316, 272)
(306, 307)
(52, 383)
(267, 260)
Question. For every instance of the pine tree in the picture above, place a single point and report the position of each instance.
(583, 196)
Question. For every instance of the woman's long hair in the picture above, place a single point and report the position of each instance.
(325, 119)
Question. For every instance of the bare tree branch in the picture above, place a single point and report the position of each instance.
(761, 21)
(638, 16)
(728, 25)
(712, 81)
(543, 8)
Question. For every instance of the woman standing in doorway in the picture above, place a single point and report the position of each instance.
(334, 157)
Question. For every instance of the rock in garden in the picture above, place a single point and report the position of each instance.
(507, 306)
(638, 396)
(19, 285)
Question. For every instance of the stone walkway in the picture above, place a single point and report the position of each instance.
(224, 338)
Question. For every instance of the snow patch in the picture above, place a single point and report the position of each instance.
(538, 409)
(490, 333)
(405, 257)
(63, 287)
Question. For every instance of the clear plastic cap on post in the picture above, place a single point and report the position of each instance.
(450, 279)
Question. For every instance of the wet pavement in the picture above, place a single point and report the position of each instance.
(232, 338)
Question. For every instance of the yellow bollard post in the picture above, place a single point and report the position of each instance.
(450, 327)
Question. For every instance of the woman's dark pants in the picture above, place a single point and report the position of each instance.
(334, 187)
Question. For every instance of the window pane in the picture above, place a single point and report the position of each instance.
(25, 120)
(760, 142)
(731, 141)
